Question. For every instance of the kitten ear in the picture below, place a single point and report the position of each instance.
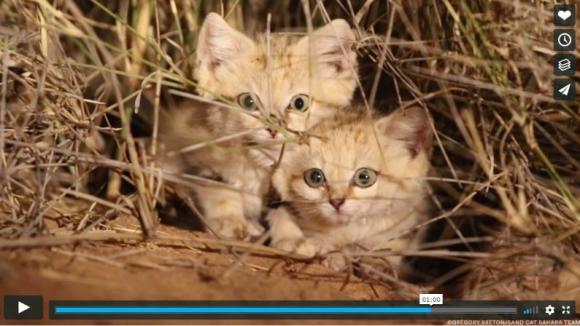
(411, 126)
(332, 47)
(219, 43)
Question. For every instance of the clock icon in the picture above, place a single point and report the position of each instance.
(564, 40)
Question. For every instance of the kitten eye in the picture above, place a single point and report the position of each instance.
(300, 103)
(247, 102)
(365, 178)
(314, 178)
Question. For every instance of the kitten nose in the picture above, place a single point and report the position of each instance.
(272, 132)
(337, 202)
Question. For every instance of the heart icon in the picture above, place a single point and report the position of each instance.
(564, 14)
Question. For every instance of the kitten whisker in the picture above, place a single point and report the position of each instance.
(226, 138)
(322, 201)
(202, 99)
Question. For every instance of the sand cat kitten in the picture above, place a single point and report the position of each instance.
(356, 180)
(274, 84)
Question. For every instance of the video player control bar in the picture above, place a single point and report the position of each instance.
(311, 310)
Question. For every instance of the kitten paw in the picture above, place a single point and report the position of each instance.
(336, 261)
(255, 229)
(304, 247)
(230, 227)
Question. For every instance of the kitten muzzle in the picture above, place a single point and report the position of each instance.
(336, 202)
(272, 132)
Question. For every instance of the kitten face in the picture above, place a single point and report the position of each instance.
(289, 84)
(347, 172)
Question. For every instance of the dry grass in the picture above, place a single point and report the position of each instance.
(506, 177)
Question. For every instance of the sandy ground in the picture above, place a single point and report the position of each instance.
(194, 267)
(157, 270)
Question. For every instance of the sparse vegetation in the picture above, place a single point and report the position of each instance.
(506, 176)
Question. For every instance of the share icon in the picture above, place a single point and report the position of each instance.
(564, 90)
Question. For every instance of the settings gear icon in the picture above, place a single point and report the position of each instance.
(550, 310)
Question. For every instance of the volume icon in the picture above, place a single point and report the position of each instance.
(530, 311)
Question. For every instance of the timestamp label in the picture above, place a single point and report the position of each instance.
(431, 298)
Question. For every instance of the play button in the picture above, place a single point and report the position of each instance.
(23, 307)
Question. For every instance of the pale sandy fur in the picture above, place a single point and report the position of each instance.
(274, 69)
(378, 217)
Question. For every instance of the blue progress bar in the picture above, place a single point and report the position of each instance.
(242, 310)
